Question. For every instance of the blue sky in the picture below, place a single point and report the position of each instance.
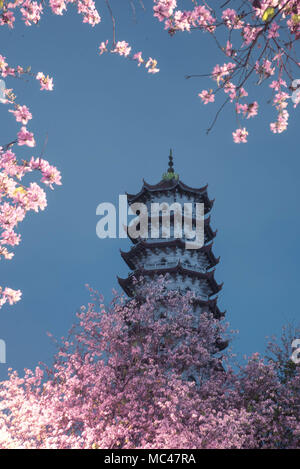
(109, 125)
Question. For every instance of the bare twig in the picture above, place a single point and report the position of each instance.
(216, 116)
(113, 21)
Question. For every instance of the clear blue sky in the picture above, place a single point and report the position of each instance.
(109, 125)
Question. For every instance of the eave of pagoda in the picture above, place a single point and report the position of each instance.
(143, 246)
(208, 232)
(178, 269)
(211, 306)
(172, 185)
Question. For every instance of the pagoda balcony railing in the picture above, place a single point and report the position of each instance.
(150, 266)
(159, 265)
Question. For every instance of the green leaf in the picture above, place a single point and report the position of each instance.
(268, 14)
(296, 19)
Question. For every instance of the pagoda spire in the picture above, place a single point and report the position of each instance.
(170, 175)
(171, 165)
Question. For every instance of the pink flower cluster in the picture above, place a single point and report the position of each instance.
(22, 114)
(249, 110)
(207, 96)
(122, 48)
(177, 20)
(280, 102)
(9, 71)
(45, 81)
(9, 295)
(26, 138)
(17, 199)
(31, 11)
(240, 136)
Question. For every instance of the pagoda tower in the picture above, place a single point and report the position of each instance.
(187, 269)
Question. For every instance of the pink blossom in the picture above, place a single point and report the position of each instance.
(230, 88)
(9, 71)
(240, 136)
(12, 296)
(3, 64)
(277, 57)
(58, 6)
(219, 73)
(276, 85)
(22, 114)
(231, 19)
(151, 65)
(8, 18)
(207, 96)
(103, 47)
(31, 12)
(252, 109)
(228, 49)
(26, 138)
(249, 34)
(122, 48)
(45, 81)
(164, 8)
(90, 14)
(35, 198)
(6, 254)
(50, 174)
(138, 57)
(241, 108)
(273, 30)
(265, 69)
(10, 237)
(242, 92)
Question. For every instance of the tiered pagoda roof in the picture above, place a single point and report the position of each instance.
(127, 283)
(209, 233)
(199, 194)
(142, 246)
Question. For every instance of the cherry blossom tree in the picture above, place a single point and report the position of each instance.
(146, 373)
(16, 198)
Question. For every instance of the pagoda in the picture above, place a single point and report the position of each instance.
(187, 269)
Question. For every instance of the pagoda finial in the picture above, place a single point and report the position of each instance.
(170, 174)
(171, 166)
